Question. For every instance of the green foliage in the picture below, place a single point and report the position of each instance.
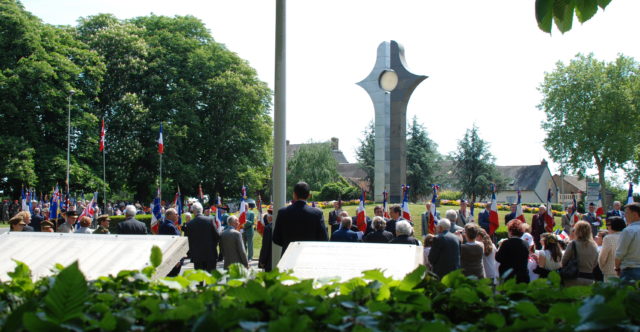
(422, 161)
(266, 301)
(450, 195)
(365, 154)
(156, 256)
(314, 164)
(474, 166)
(591, 107)
(561, 12)
(338, 190)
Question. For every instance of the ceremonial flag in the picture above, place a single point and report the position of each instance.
(156, 215)
(160, 141)
(102, 136)
(361, 215)
(177, 202)
(219, 213)
(406, 214)
(23, 197)
(630, 193)
(548, 217)
(519, 214)
(30, 200)
(89, 210)
(260, 225)
(494, 221)
(473, 205)
(53, 205)
(200, 193)
(432, 210)
(562, 235)
(243, 209)
(385, 207)
(599, 210)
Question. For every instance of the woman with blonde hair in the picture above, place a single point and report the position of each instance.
(489, 257)
(585, 250)
(85, 222)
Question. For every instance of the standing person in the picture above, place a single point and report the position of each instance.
(463, 215)
(168, 225)
(594, 220)
(131, 225)
(26, 217)
(453, 215)
(537, 225)
(395, 212)
(344, 234)
(615, 212)
(264, 261)
(483, 217)
(36, 220)
(628, 252)
(587, 254)
(85, 222)
(379, 235)
(203, 240)
(550, 257)
(403, 234)
(103, 224)
(334, 223)
(606, 258)
(512, 214)
(425, 218)
(427, 243)
(232, 246)
(471, 252)
(247, 231)
(513, 254)
(444, 255)
(567, 219)
(298, 221)
(70, 218)
(489, 255)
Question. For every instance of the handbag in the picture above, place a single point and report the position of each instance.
(570, 270)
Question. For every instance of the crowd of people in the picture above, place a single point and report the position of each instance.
(584, 253)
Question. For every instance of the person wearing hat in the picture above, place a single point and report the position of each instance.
(70, 218)
(103, 224)
(46, 226)
(17, 224)
(26, 217)
(593, 219)
(247, 234)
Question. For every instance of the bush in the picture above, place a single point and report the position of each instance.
(275, 301)
(145, 218)
(335, 190)
(450, 195)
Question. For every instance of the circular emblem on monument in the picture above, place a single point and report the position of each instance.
(388, 80)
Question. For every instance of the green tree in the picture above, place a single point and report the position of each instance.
(365, 154)
(422, 161)
(561, 12)
(592, 114)
(314, 164)
(474, 166)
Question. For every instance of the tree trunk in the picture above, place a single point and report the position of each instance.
(603, 189)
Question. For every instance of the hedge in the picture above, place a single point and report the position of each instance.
(276, 301)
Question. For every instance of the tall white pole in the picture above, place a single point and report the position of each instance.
(104, 173)
(160, 185)
(279, 120)
(71, 92)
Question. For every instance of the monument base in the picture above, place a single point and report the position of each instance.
(314, 260)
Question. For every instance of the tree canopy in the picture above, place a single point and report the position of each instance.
(136, 74)
(561, 12)
(366, 156)
(422, 161)
(592, 113)
(314, 164)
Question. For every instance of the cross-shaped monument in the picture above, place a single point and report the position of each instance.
(390, 85)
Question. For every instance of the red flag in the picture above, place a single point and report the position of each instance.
(548, 217)
(494, 220)
(406, 214)
(242, 218)
(102, 137)
(160, 141)
(259, 225)
(361, 218)
(519, 214)
(600, 210)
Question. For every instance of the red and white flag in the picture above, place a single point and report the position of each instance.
(260, 224)
(406, 214)
(599, 210)
(242, 218)
(102, 136)
(494, 220)
(90, 210)
(519, 214)
(361, 217)
(549, 221)
(385, 206)
(160, 141)
(432, 210)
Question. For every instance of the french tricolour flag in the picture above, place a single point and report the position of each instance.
(519, 214)
(260, 224)
(242, 218)
(406, 214)
(385, 207)
(548, 217)
(630, 194)
(361, 217)
(160, 141)
(599, 210)
(494, 220)
(432, 210)
(156, 215)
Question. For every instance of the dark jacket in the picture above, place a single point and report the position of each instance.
(405, 239)
(344, 235)
(380, 236)
(509, 217)
(132, 226)
(168, 227)
(537, 228)
(264, 261)
(444, 255)
(483, 220)
(299, 222)
(391, 226)
(36, 220)
(203, 239)
(333, 216)
(611, 213)
(514, 255)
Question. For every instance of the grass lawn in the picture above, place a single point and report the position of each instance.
(416, 211)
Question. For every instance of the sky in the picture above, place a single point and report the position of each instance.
(485, 60)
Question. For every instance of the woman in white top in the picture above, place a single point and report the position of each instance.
(606, 259)
(550, 257)
(489, 257)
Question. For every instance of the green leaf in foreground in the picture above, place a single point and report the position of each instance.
(65, 301)
(156, 256)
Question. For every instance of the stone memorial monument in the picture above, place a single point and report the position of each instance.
(390, 85)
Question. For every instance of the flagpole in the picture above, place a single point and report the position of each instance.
(104, 169)
(160, 185)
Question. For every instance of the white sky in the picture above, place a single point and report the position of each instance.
(484, 59)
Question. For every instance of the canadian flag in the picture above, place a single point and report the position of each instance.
(494, 221)
(432, 210)
(406, 214)
(519, 214)
(361, 217)
(548, 217)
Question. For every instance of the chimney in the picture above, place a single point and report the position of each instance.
(544, 162)
(335, 144)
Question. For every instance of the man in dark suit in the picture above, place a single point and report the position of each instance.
(264, 261)
(395, 212)
(483, 217)
(298, 221)
(36, 220)
(537, 225)
(131, 225)
(616, 210)
(593, 219)
(444, 255)
(168, 225)
(345, 234)
(512, 215)
(333, 215)
(203, 239)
